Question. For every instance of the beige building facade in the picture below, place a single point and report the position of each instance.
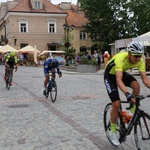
(40, 23)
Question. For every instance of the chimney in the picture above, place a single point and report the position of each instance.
(66, 5)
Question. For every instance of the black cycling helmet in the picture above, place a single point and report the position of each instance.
(55, 63)
(135, 48)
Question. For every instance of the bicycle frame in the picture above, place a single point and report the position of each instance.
(139, 122)
(127, 130)
(51, 88)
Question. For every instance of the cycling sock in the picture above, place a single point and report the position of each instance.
(132, 110)
(113, 127)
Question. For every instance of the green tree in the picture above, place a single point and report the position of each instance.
(110, 20)
(101, 24)
(141, 15)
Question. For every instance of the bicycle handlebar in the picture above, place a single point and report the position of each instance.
(138, 99)
(141, 97)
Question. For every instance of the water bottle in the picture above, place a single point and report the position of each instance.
(124, 116)
(129, 116)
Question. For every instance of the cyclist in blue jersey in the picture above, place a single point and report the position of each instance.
(50, 64)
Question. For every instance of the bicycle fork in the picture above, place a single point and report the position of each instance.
(147, 128)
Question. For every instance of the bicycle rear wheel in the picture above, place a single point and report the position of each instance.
(53, 91)
(107, 122)
(142, 132)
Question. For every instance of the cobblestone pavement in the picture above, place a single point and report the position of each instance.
(74, 122)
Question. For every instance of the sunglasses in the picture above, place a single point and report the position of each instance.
(137, 56)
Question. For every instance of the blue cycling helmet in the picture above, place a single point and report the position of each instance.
(55, 63)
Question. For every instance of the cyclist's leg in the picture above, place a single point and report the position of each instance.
(6, 69)
(46, 74)
(112, 90)
(11, 73)
(46, 80)
(131, 82)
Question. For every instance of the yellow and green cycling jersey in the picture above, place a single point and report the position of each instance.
(120, 62)
(9, 58)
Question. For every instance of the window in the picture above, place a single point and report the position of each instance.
(51, 28)
(51, 25)
(37, 5)
(22, 45)
(23, 25)
(82, 35)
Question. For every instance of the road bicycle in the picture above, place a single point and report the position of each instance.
(140, 121)
(51, 88)
(9, 77)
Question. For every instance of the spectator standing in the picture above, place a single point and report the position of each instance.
(77, 59)
(106, 57)
(99, 62)
(95, 56)
(21, 57)
(88, 56)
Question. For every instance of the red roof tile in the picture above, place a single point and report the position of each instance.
(25, 6)
(74, 17)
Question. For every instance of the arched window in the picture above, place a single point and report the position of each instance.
(23, 25)
(52, 25)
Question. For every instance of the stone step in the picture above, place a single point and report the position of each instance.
(68, 68)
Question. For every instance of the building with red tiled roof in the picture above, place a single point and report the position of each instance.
(31, 22)
(40, 23)
(81, 42)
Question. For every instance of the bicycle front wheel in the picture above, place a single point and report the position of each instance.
(107, 123)
(53, 91)
(142, 132)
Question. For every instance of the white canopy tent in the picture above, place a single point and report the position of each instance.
(144, 39)
(51, 52)
(28, 49)
(7, 48)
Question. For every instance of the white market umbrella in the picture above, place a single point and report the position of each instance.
(7, 48)
(28, 49)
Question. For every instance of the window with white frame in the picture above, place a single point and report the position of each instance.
(82, 35)
(23, 25)
(51, 26)
(37, 5)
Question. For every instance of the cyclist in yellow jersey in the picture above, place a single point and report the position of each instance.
(115, 77)
(10, 60)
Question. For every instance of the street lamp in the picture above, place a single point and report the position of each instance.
(67, 29)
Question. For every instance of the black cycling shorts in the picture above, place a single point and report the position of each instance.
(111, 86)
(11, 64)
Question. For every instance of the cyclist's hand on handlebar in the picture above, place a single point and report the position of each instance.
(130, 97)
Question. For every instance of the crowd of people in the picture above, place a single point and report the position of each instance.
(99, 58)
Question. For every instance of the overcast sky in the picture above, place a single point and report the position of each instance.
(52, 1)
